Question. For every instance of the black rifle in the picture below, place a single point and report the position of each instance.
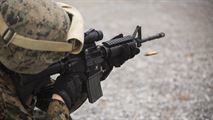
(96, 56)
(97, 59)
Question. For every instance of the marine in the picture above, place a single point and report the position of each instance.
(34, 35)
(42, 38)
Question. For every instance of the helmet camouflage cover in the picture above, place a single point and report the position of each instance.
(34, 19)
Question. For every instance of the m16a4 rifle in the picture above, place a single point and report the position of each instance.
(96, 56)
(97, 64)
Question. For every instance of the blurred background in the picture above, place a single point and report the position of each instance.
(176, 84)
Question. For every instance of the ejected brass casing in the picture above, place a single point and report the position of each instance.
(151, 53)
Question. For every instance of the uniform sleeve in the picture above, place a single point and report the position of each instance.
(57, 110)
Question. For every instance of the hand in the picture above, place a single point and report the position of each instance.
(127, 52)
(69, 87)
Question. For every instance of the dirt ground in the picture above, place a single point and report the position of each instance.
(176, 84)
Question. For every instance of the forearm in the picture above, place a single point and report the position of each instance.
(57, 109)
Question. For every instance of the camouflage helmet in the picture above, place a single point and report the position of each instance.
(37, 33)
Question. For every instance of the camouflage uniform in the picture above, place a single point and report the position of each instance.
(33, 22)
(12, 109)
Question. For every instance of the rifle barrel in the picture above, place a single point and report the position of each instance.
(157, 36)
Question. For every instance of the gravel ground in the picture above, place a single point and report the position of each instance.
(176, 84)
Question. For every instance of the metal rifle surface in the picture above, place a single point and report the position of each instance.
(154, 37)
